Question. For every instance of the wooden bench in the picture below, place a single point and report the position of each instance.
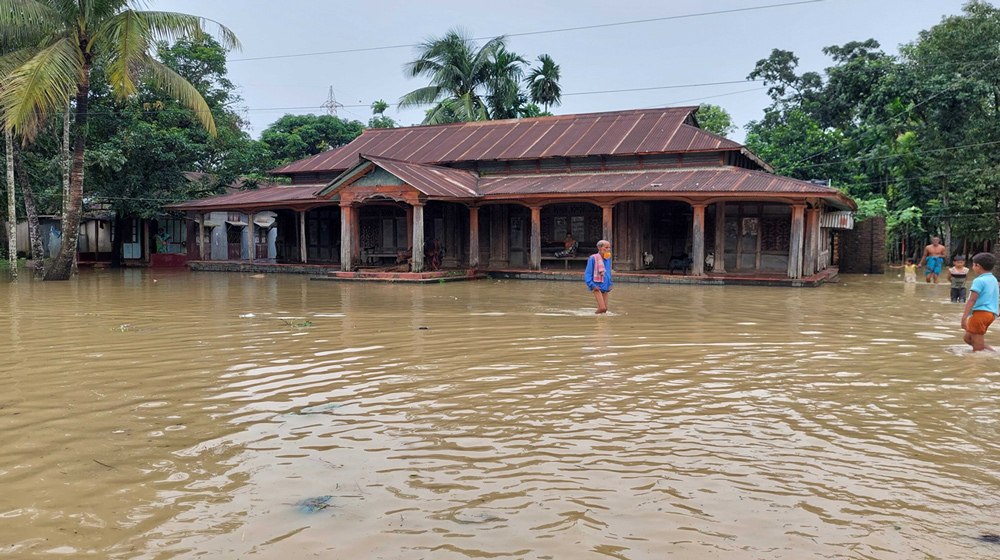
(565, 260)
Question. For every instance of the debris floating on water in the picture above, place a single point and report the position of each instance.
(312, 505)
(990, 538)
(320, 408)
(247, 316)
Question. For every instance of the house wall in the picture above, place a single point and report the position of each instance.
(862, 249)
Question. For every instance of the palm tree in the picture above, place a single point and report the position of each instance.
(543, 83)
(459, 72)
(379, 107)
(504, 84)
(64, 38)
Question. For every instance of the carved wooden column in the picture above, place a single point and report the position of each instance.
(346, 237)
(303, 250)
(474, 237)
(535, 254)
(418, 237)
(698, 240)
(795, 241)
(720, 237)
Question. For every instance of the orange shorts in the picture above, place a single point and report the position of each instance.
(979, 321)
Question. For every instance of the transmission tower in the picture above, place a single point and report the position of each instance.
(331, 104)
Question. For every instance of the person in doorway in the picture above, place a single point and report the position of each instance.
(598, 275)
(909, 272)
(162, 239)
(957, 275)
(934, 255)
(984, 303)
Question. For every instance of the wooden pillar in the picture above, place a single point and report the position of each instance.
(250, 245)
(409, 227)
(795, 242)
(346, 237)
(720, 237)
(698, 240)
(418, 237)
(201, 238)
(474, 237)
(303, 250)
(535, 253)
(607, 231)
(810, 263)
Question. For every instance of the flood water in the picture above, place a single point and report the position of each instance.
(232, 416)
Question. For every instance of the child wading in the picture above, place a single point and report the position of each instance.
(957, 275)
(910, 271)
(984, 303)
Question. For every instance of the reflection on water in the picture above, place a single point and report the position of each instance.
(229, 415)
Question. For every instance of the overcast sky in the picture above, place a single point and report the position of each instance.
(712, 48)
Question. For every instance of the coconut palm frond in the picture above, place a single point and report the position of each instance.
(421, 96)
(182, 90)
(169, 26)
(39, 86)
(125, 39)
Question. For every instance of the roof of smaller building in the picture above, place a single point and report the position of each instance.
(643, 131)
(272, 194)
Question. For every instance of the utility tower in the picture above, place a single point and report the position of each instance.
(331, 104)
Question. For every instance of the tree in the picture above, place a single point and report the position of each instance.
(472, 83)
(459, 71)
(543, 83)
(715, 119)
(503, 85)
(65, 39)
(379, 120)
(140, 147)
(293, 137)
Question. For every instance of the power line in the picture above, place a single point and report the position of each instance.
(890, 156)
(541, 32)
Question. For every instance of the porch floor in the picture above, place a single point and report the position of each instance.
(332, 272)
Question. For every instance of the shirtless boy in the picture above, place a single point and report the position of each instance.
(934, 255)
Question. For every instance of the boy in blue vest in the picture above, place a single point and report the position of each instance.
(983, 305)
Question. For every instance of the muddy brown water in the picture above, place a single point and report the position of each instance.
(198, 415)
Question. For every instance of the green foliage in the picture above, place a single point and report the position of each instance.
(379, 120)
(715, 119)
(913, 137)
(293, 137)
(473, 83)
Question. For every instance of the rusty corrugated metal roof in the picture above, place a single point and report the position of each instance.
(615, 133)
(432, 180)
(274, 195)
(720, 180)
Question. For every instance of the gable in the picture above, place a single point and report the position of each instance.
(378, 177)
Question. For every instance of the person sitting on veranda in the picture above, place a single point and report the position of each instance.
(571, 246)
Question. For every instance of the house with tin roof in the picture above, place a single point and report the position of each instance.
(505, 196)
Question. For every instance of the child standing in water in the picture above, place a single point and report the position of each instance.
(909, 270)
(984, 303)
(957, 275)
